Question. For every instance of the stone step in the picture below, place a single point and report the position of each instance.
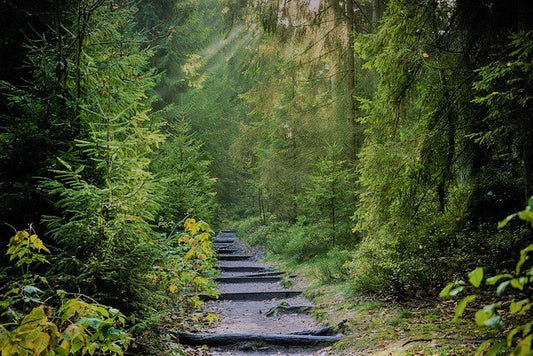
(229, 231)
(226, 251)
(242, 269)
(226, 257)
(247, 279)
(224, 240)
(253, 296)
(219, 247)
(265, 274)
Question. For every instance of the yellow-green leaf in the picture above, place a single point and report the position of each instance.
(476, 276)
(460, 308)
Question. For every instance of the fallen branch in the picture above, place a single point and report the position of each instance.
(323, 331)
(287, 309)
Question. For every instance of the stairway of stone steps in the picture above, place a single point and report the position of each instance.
(257, 314)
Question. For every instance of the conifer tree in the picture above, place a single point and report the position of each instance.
(188, 186)
(107, 195)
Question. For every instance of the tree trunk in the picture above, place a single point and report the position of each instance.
(350, 81)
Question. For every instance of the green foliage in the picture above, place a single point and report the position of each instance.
(107, 203)
(409, 198)
(331, 267)
(22, 246)
(188, 186)
(31, 326)
(37, 121)
(505, 90)
(87, 114)
(512, 290)
(189, 268)
(327, 201)
(428, 189)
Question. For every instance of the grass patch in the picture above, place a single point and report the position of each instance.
(384, 325)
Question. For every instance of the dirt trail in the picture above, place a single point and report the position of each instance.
(257, 314)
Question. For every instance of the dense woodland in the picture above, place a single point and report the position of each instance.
(378, 141)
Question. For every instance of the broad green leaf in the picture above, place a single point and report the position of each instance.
(76, 345)
(36, 315)
(516, 307)
(452, 289)
(504, 222)
(511, 335)
(91, 348)
(486, 316)
(476, 276)
(526, 215)
(495, 279)
(460, 308)
(524, 347)
(526, 328)
(456, 291)
(523, 257)
(519, 283)
(41, 342)
(494, 321)
(483, 347)
(501, 288)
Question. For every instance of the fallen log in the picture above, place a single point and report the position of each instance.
(323, 331)
(228, 339)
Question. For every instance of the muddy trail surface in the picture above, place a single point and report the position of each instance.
(257, 314)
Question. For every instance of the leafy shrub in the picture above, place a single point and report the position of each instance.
(303, 242)
(30, 326)
(514, 306)
(252, 230)
(189, 266)
(331, 267)
(297, 242)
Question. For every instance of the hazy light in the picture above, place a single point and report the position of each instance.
(313, 5)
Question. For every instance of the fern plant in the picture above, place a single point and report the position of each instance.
(188, 185)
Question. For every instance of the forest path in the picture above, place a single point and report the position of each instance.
(257, 314)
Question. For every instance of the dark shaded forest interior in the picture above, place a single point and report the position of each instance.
(383, 149)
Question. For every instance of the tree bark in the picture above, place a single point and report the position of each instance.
(350, 80)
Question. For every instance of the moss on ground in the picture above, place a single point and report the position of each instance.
(387, 325)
